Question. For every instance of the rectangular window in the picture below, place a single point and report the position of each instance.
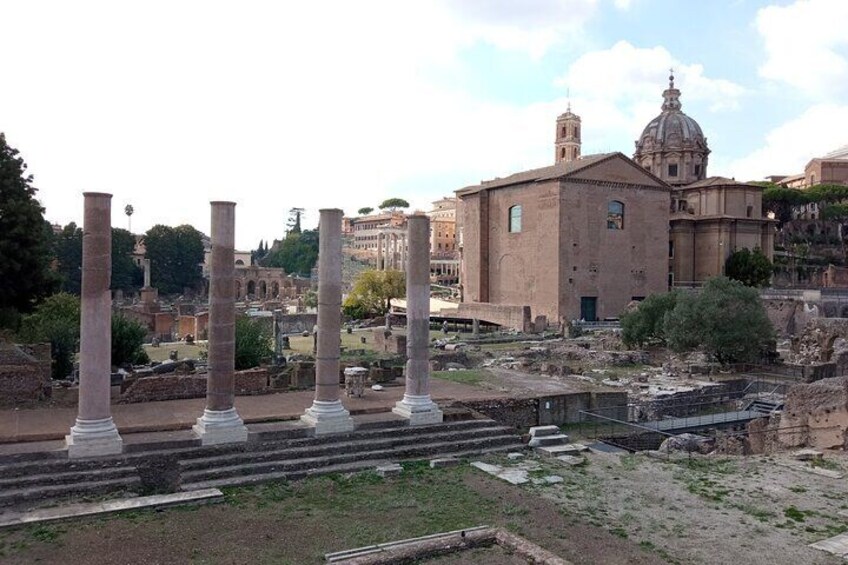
(672, 170)
(671, 250)
(698, 171)
(515, 219)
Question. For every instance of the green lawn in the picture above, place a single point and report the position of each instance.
(466, 377)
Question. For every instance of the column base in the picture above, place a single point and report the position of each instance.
(328, 417)
(419, 410)
(94, 438)
(216, 427)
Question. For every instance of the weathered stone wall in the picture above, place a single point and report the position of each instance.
(296, 323)
(691, 402)
(24, 377)
(520, 413)
(393, 343)
(515, 317)
(816, 414)
(172, 387)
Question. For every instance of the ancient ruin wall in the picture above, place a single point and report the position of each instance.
(816, 414)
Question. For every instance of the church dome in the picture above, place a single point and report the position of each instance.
(672, 145)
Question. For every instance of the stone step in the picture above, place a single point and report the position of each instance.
(35, 481)
(559, 439)
(347, 445)
(60, 463)
(539, 431)
(362, 465)
(56, 492)
(405, 451)
(557, 450)
(66, 477)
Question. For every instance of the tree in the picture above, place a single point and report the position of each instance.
(727, 320)
(293, 224)
(56, 320)
(781, 201)
(175, 256)
(127, 342)
(129, 210)
(25, 276)
(297, 253)
(373, 292)
(364, 211)
(749, 268)
(646, 323)
(253, 343)
(393, 204)
(68, 251)
(126, 275)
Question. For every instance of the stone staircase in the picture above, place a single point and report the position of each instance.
(764, 406)
(284, 453)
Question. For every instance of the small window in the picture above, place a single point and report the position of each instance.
(697, 171)
(576, 131)
(515, 219)
(562, 153)
(671, 250)
(750, 211)
(672, 170)
(615, 215)
(563, 132)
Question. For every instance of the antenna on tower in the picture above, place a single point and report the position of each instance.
(568, 97)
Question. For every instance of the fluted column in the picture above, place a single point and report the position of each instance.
(94, 432)
(417, 405)
(380, 251)
(327, 414)
(220, 422)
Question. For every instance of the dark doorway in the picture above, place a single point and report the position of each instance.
(589, 308)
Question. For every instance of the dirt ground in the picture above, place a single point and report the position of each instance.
(753, 510)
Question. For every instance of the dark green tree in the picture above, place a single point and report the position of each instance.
(56, 320)
(646, 323)
(727, 320)
(393, 204)
(365, 211)
(127, 342)
(296, 254)
(293, 224)
(781, 201)
(126, 275)
(749, 268)
(68, 250)
(175, 257)
(25, 254)
(253, 343)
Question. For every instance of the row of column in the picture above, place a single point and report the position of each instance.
(94, 432)
(395, 256)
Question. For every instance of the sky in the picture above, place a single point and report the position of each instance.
(169, 105)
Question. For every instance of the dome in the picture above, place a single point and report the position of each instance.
(672, 145)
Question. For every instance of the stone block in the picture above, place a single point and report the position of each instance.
(539, 431)
(389, 470)
(445, 462)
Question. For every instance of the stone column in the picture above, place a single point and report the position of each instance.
(403, 252)
(380, 251)
(94, 433)
(327, 414)
(146, 273)
(417, 405)
(391, 248)
(220, 422)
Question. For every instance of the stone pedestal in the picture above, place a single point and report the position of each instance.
(94, 433)
(417, 406)
(327, 415)
(220, 422)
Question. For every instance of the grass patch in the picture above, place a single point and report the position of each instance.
(466, 377)
(794, 514)
(798, 488)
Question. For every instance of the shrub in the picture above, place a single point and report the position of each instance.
(253, 343)
(127, 342)
(56, 320)
(646, 323)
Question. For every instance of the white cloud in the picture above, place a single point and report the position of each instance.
(806, 45)
(617, 91)
(789, 147)
(623, 5)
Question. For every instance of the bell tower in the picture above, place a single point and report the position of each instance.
(567, 144)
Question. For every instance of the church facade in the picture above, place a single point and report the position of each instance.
(584, 237)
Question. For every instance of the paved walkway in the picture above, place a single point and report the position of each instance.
(43, 424)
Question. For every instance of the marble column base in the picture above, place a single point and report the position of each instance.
(220, 426)
(328, 417)
(93, 438)
(419, 410)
